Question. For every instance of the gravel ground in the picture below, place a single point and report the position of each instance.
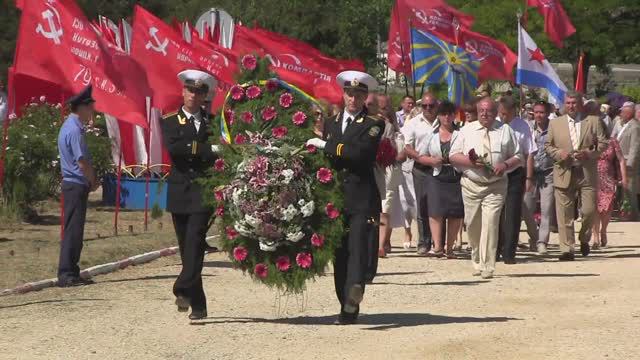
(417, 308)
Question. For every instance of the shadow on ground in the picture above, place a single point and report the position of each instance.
(58, 301)
(371, 322)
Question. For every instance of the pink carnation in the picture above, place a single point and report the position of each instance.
(324, 175)
(317, 240)
(231, 233)
(283, 263)
(269, 113)
(279, 132)
(240, 139)
(230, 116)
(43, 98)
(219, 195)
(237, 92)
(218, 165)
(331, 211)
(286, 99)
(271, 85)
(311, 149)
(249, 62)
(219, 211)
(299, 118)
(240, 253)
(304, 260)
(247, 117)
(253, 92)
(261, 271)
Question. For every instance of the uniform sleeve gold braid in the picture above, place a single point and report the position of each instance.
(194, 147)
(339, 149)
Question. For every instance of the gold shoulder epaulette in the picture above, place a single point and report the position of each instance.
(166, 116)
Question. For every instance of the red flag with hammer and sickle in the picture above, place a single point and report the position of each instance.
(57, 43)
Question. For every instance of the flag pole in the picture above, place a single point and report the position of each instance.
(148, 173)
(62, 100)
(413, 75)
(520, 86)
(118, 184)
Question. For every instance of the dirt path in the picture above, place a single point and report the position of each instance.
(418, 308)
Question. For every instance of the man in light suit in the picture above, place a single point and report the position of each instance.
(628, 135)
(575, 142)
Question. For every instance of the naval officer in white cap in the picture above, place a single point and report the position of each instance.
(351, 142)
(186, 136)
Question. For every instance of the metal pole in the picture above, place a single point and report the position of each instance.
(118, 184)
(413, 75)
(148, 172)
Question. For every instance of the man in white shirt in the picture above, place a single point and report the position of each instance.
(484, 181)
(512, 211)
(417, 134)
(407, 104)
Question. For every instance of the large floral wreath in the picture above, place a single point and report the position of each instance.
(278, 199)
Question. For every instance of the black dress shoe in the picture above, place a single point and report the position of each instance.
(211, 249)
(509, 261)
(585, 249)
(346, 319)
(566, 257)
(198, 314)
(182, 303)
(72, 282)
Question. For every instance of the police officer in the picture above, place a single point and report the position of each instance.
(186, 136)
(78, 179)
(351, 143)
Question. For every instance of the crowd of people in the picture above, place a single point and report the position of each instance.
(490, 165)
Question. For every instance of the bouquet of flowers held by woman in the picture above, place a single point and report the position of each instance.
(278, 199)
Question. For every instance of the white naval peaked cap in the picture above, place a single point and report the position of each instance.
(198, 80)
(352, 79)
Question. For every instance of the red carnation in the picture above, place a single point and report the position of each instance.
(299, 118)
(473, 156)
(387, 153)
(269, 113)
(261, 271)
(311, 149)
(230, 116)
(240, 139)
(240, 253)
(219, 195)
(331, 211)
(283, 263)
(218, 165)
(286, 99)
(249, 62)
(247, 117)
(279, 132)
(272, 85)
(324, 175)
(219, 211)
(237, 92)
(231, 233)
(304, 260)
(253, 92)
(317, 240)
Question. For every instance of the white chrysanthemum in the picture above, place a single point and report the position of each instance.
(289, 213)
(237, 194)
(295, 237)
(241, 167)
(288, 175)
(270, 247)
(242, 229)
(307, 209)
(252, 221)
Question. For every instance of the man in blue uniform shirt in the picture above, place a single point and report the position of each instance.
(78, 180)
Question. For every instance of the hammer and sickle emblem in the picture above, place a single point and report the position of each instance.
(160, 47)
(54, 33)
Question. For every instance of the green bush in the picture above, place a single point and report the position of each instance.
(32, 166)
(632, 92)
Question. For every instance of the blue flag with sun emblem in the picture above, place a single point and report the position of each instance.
(435, 61)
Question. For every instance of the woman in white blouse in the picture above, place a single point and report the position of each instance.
(444, 193)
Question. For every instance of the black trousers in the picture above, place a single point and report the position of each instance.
(420, 174)
(372, 250)
(351, 262)
(511, 216)
(75, 213)
(191, 230)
